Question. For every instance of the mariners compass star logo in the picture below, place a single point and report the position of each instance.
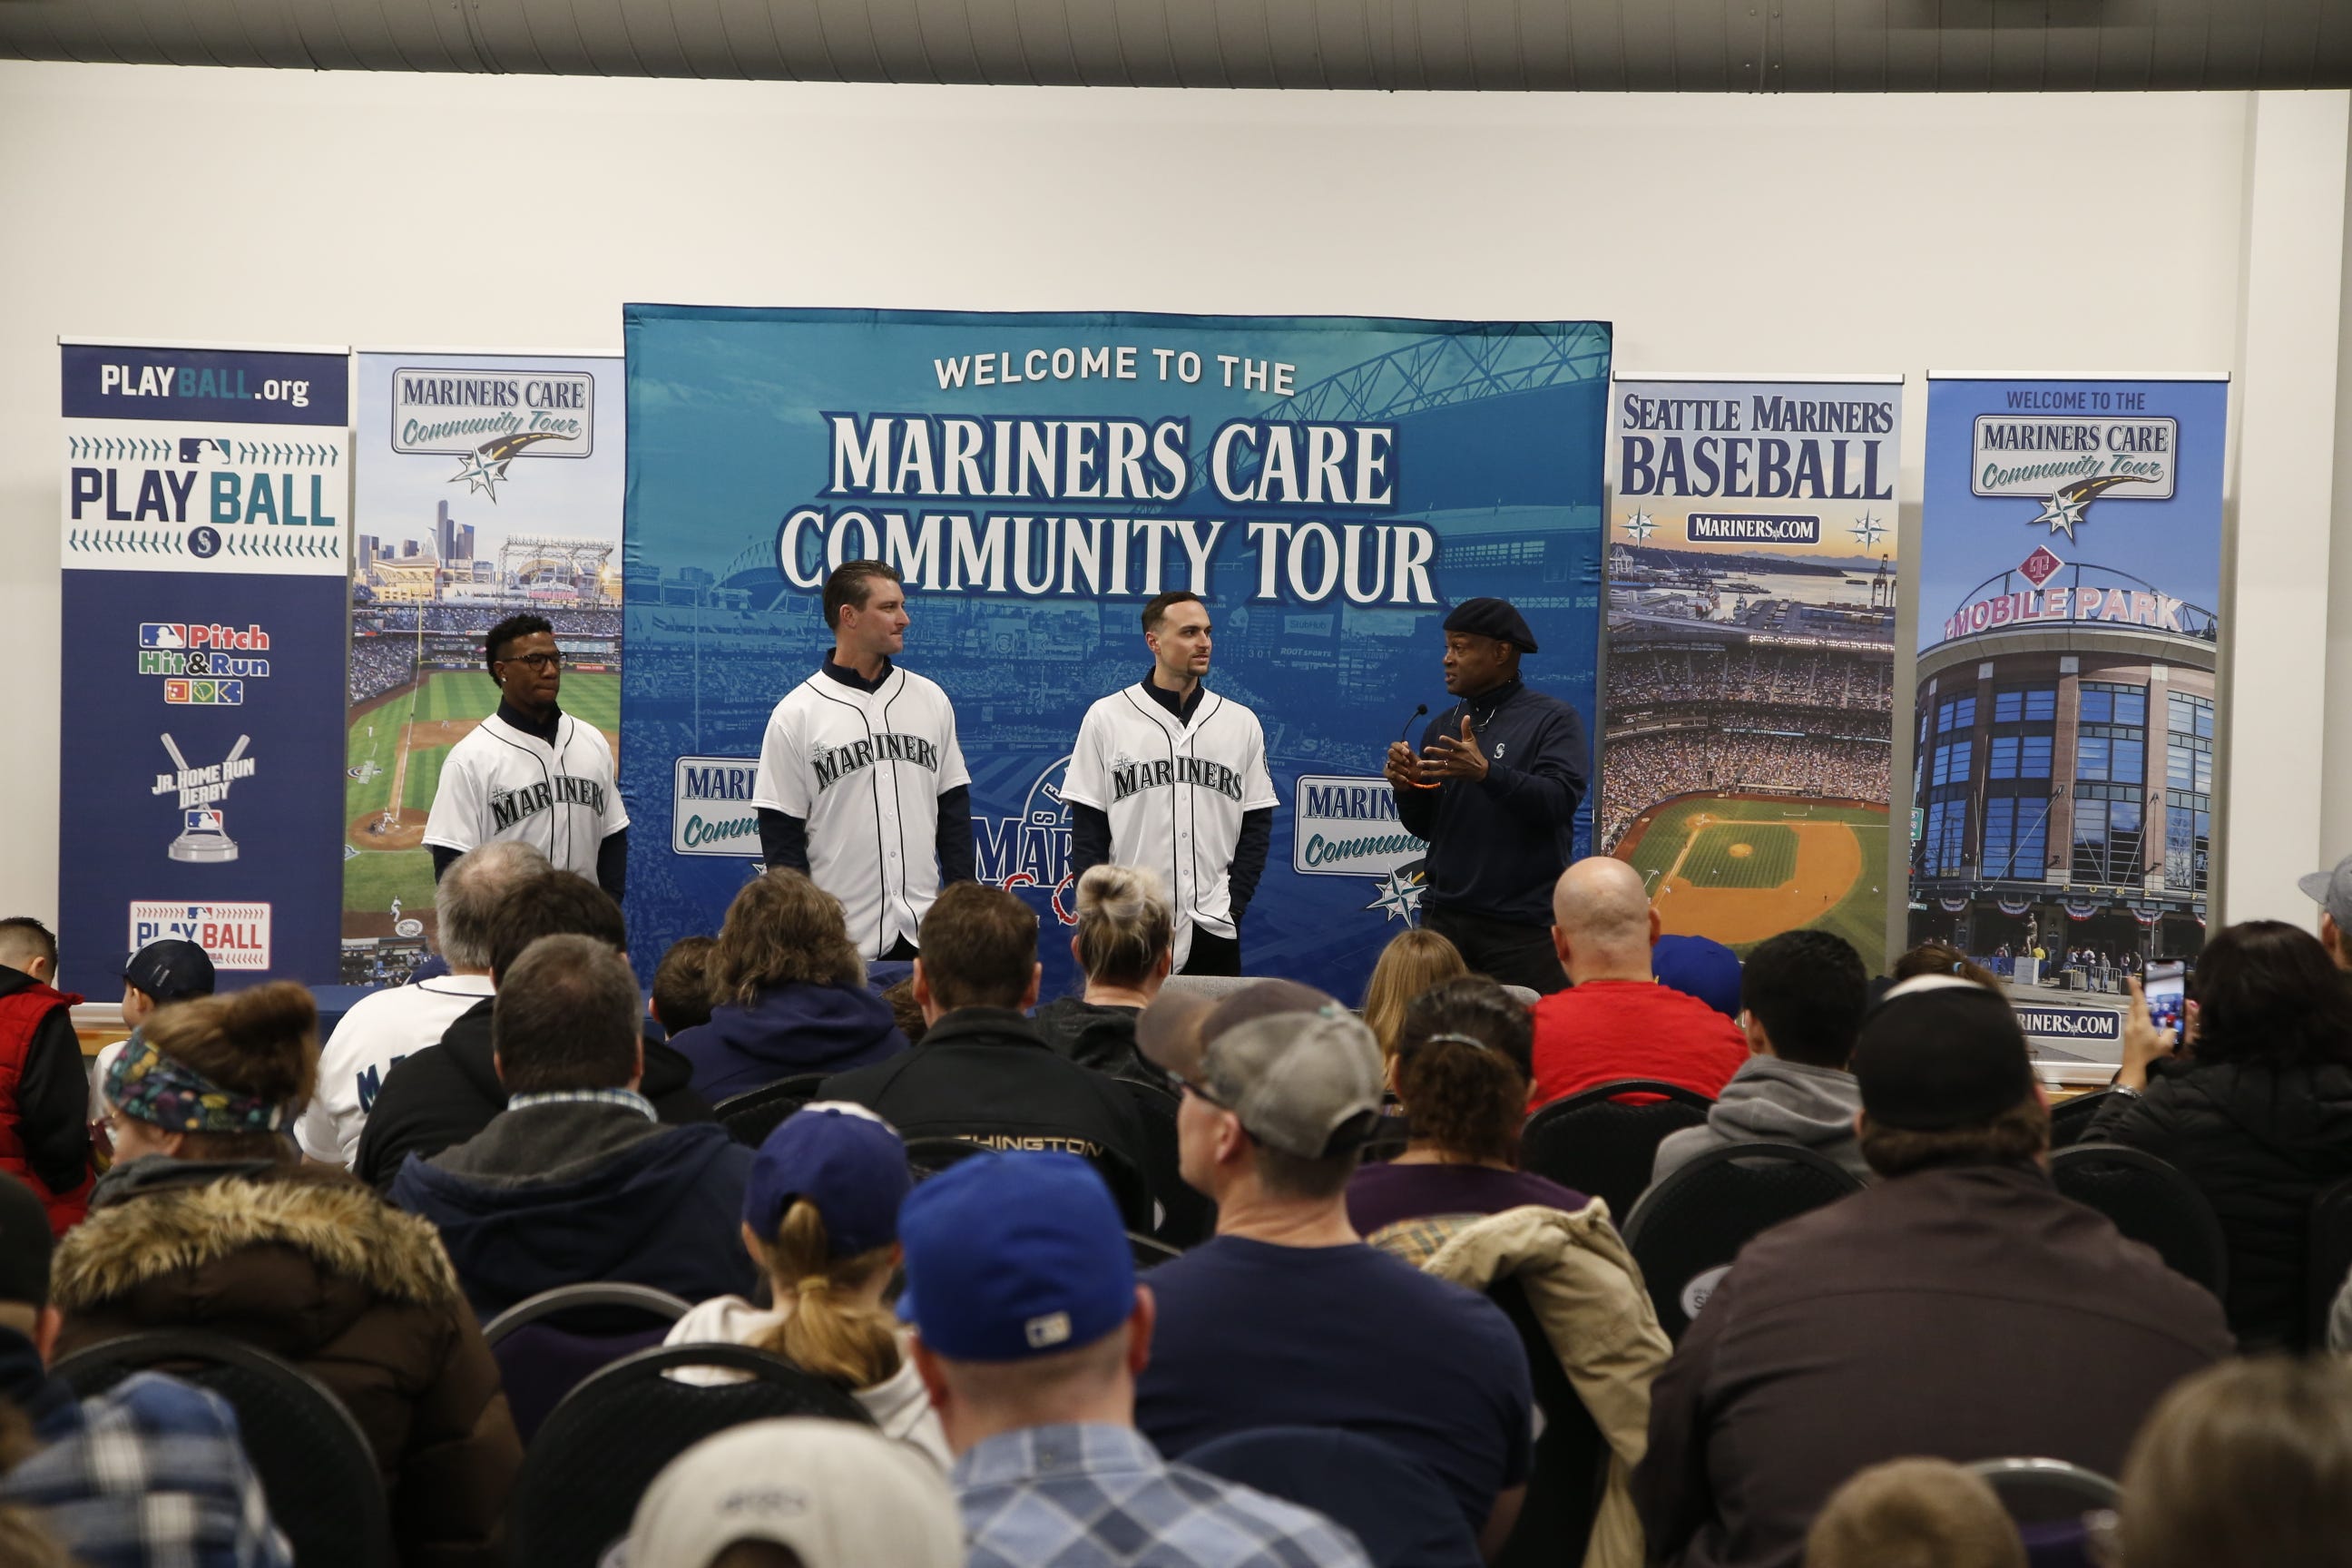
(1639, 525)
(485, 467)
(2066, 511)
(1398, 897)
(1867, 530)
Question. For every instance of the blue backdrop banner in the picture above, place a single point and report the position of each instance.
(1329, 486)
(205, 510)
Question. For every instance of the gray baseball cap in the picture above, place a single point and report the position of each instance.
(2332, 891)
(1300, 1072)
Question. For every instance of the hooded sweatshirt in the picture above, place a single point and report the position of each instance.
(786, 1031)
(1770, 1100)
(571, 1193)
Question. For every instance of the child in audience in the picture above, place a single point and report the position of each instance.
(681, 993)
(2247, 1462)
(821, 1216)
(1413, 962)
(1913, 1513)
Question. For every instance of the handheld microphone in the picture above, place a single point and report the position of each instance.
(1408, 723)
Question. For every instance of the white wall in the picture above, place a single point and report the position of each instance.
(1735, 234)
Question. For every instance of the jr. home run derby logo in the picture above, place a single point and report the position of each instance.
(1347, 826)
(487, 418)
(1031, 848)
(204, 826)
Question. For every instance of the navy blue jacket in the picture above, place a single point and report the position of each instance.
(789, 1030)
(1496, 847)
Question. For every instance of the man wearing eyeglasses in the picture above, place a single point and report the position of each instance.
(531, 772)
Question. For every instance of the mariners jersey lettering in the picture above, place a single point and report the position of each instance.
(865, 770)
(1174, 794)
(501, 783)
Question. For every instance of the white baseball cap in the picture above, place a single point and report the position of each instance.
(839, 1496)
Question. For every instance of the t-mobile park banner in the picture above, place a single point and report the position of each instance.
(2070, 577)
(1329, 486)
(1752, 652)
(205, 507)
(487, 486)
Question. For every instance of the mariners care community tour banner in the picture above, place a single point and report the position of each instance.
(205, 509)
(2070, 576)
(1752, 652)
(1329, 486)
(486, 486)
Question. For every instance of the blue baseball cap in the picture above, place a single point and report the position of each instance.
(1012, 1256)
(843, 1158)
(1699, 967)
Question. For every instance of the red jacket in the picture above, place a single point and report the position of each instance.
(1605, 1030)
(23, 1012)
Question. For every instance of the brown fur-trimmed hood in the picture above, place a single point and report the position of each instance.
(164, 1228)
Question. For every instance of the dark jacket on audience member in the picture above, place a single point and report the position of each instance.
(445, 1094)
(1097, 1035)
(570, 1193)
(2261, 1140)
(1968, 1313)
(787, 1031)
(310, 1266)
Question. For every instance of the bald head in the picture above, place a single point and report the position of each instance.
(1603, 924)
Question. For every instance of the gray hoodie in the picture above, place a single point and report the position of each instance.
(1769, 1101)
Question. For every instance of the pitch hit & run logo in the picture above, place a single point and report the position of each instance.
(203, 666)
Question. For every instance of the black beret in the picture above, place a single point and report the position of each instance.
(1493, 619)
(1947, 1055)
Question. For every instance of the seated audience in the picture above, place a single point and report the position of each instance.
(821, 1218)
(445, 1094)
(1699, 967)
(44, 1098)
(983, 1072)
(788, 992)
(208, 1220)
(799, 1492)
(158, 974)
(680, 997)
(1942, 958)
(906, 1012)
(1802, 994)
(1030, 1329)
(1870, 1327)
(2248, 1462)
(1414, 960)
(1461, 1069)
(2257, 1112)
(1124, 946)
(2332, 891)
(150, 1471)
(1915, 1513)
(1617, 1022)
(577, 1180)
(1286, 1318)
(387, 1026)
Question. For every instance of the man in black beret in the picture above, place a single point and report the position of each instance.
(1493, 789)
(1958, 1308)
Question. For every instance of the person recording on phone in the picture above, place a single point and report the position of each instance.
(1494, 788)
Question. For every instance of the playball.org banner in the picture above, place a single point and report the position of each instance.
(1329, 486)
(205, 521)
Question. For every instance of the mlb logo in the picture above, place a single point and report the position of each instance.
(203, 819)
(163, 634)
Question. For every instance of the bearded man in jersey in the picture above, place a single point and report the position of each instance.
(861, 784)
(530, 773)
(1169, 774)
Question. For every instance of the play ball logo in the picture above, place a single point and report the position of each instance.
(234, 936)
(203, 543)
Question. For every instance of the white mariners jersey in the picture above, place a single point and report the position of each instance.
(501, 783)
(1175, 793)
(865, 770)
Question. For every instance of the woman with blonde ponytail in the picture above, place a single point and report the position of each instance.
(821, 1216)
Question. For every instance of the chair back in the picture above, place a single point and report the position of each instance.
(1183, 1217)
(1215, 987)
(2150, 1201)
(1149, 1251)
(1593, 1144)
(315, 1465)
(1393, 1505)
(1571, 1457)
(2328, 1261)
(751, 1116)
(546, 1344)
(2070, 1122)
(601, 1447)
(2052, 1502)
(1685, 1230)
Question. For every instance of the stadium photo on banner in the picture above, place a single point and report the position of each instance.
(1749, 706)
(487, 487)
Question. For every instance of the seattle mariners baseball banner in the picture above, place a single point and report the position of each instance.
(2070, 574)
(487, 486)
(1752, 652)
(1329, 485)
(205, 515)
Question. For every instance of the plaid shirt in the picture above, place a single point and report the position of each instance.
(151, 1474)
(1101, 1496)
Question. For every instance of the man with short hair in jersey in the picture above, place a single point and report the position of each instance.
(861, 784)
(1168, 775)
(530, 773)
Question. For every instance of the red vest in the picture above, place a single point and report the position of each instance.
(21, 1014)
